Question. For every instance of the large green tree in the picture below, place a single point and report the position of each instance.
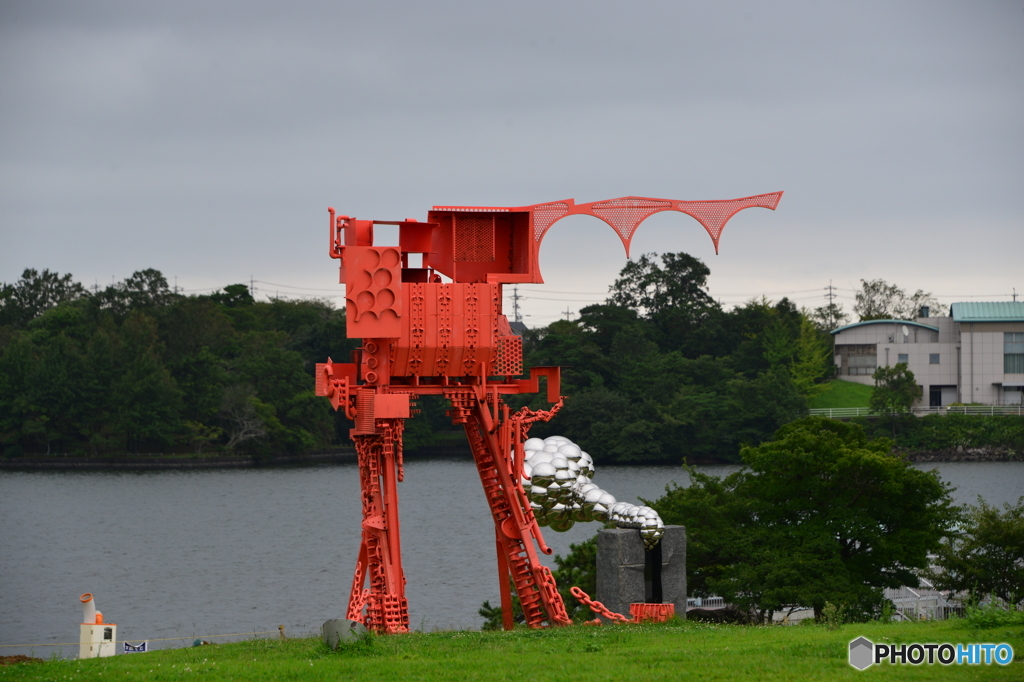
(819, 514)
(673, 297)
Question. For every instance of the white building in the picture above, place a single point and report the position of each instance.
(974, 356)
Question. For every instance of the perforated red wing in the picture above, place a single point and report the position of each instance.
(625, 214)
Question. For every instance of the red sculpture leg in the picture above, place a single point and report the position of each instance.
(515, 527)
(380, 555)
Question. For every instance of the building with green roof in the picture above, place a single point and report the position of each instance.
(976, 355)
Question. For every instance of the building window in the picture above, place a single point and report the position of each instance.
(933, 358)
(903, 357)
(862, 365)
(1013, 352)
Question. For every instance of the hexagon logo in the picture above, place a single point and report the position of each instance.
(861, 653)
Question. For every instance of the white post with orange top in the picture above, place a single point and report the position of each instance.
(96, 638)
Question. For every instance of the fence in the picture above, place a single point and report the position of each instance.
(976, 410)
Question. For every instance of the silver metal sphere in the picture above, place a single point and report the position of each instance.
(561, 526)
(539, 456)
(533, 444)
(559, 512)
(570, 451)
(543, 474)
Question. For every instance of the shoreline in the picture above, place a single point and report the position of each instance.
(962, 454)
(348, 456)
(178, 461)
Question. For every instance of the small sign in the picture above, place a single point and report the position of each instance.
(135, 648)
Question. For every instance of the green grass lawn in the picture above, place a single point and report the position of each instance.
(589, 654)
(842, 394)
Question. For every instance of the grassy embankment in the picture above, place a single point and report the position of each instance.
(842, 394)
(649, 652)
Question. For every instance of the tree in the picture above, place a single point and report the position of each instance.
(244, 414)
(812, 360)
(233, 296)
(828, 317)
(987, 556)
(895, 390)
(761, 336)
(879, 300)
(35, 293)
(146, 400)
(673, 297)
(144, 290)
(649, 289)
(819, 514)
(36, 388)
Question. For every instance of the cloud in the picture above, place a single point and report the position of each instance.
(206, 140)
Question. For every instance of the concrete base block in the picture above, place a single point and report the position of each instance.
(341, 630)
(621, 563)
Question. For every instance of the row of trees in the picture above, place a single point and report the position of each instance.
(657, 372)
(136, 367)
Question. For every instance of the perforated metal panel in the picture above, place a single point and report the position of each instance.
(474, 237)
(625, 214)
(546, 214)
(508, 358)
(713, 215)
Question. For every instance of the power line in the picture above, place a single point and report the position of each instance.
(580, 293)
(560, 300)
(291, 286)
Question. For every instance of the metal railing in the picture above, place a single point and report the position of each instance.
(705, 603)
(975, 410)
(972, 409)
(840, 412)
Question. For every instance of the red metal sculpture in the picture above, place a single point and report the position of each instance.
(423, 335)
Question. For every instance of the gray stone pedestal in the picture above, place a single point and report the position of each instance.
(341, 630)
(621, 561)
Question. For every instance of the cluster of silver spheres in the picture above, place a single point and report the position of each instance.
(557, 479)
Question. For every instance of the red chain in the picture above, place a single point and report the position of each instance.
(528, 416)
(597, 607)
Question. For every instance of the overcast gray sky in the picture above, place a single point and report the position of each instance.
(207, 139)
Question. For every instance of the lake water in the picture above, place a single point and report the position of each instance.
(187, 554)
